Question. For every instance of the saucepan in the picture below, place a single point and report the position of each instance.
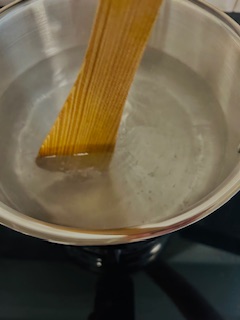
(187, 102)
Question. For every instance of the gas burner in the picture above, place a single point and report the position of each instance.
(130, 257)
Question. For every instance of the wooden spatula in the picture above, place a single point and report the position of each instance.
(89, 120)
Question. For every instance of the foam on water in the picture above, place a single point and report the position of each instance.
(168, 155)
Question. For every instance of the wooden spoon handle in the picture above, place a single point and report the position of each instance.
(91, 115)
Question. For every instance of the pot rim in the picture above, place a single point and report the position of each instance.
(76, 236)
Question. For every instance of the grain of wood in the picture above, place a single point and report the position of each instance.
(90, 117)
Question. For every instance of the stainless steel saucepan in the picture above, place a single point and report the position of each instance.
(194, 59)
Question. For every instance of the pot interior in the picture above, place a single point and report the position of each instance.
(180, 130)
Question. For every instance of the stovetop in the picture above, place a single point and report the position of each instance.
(194, 276)
(191, 274)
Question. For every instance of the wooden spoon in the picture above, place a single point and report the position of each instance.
(90, 117)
